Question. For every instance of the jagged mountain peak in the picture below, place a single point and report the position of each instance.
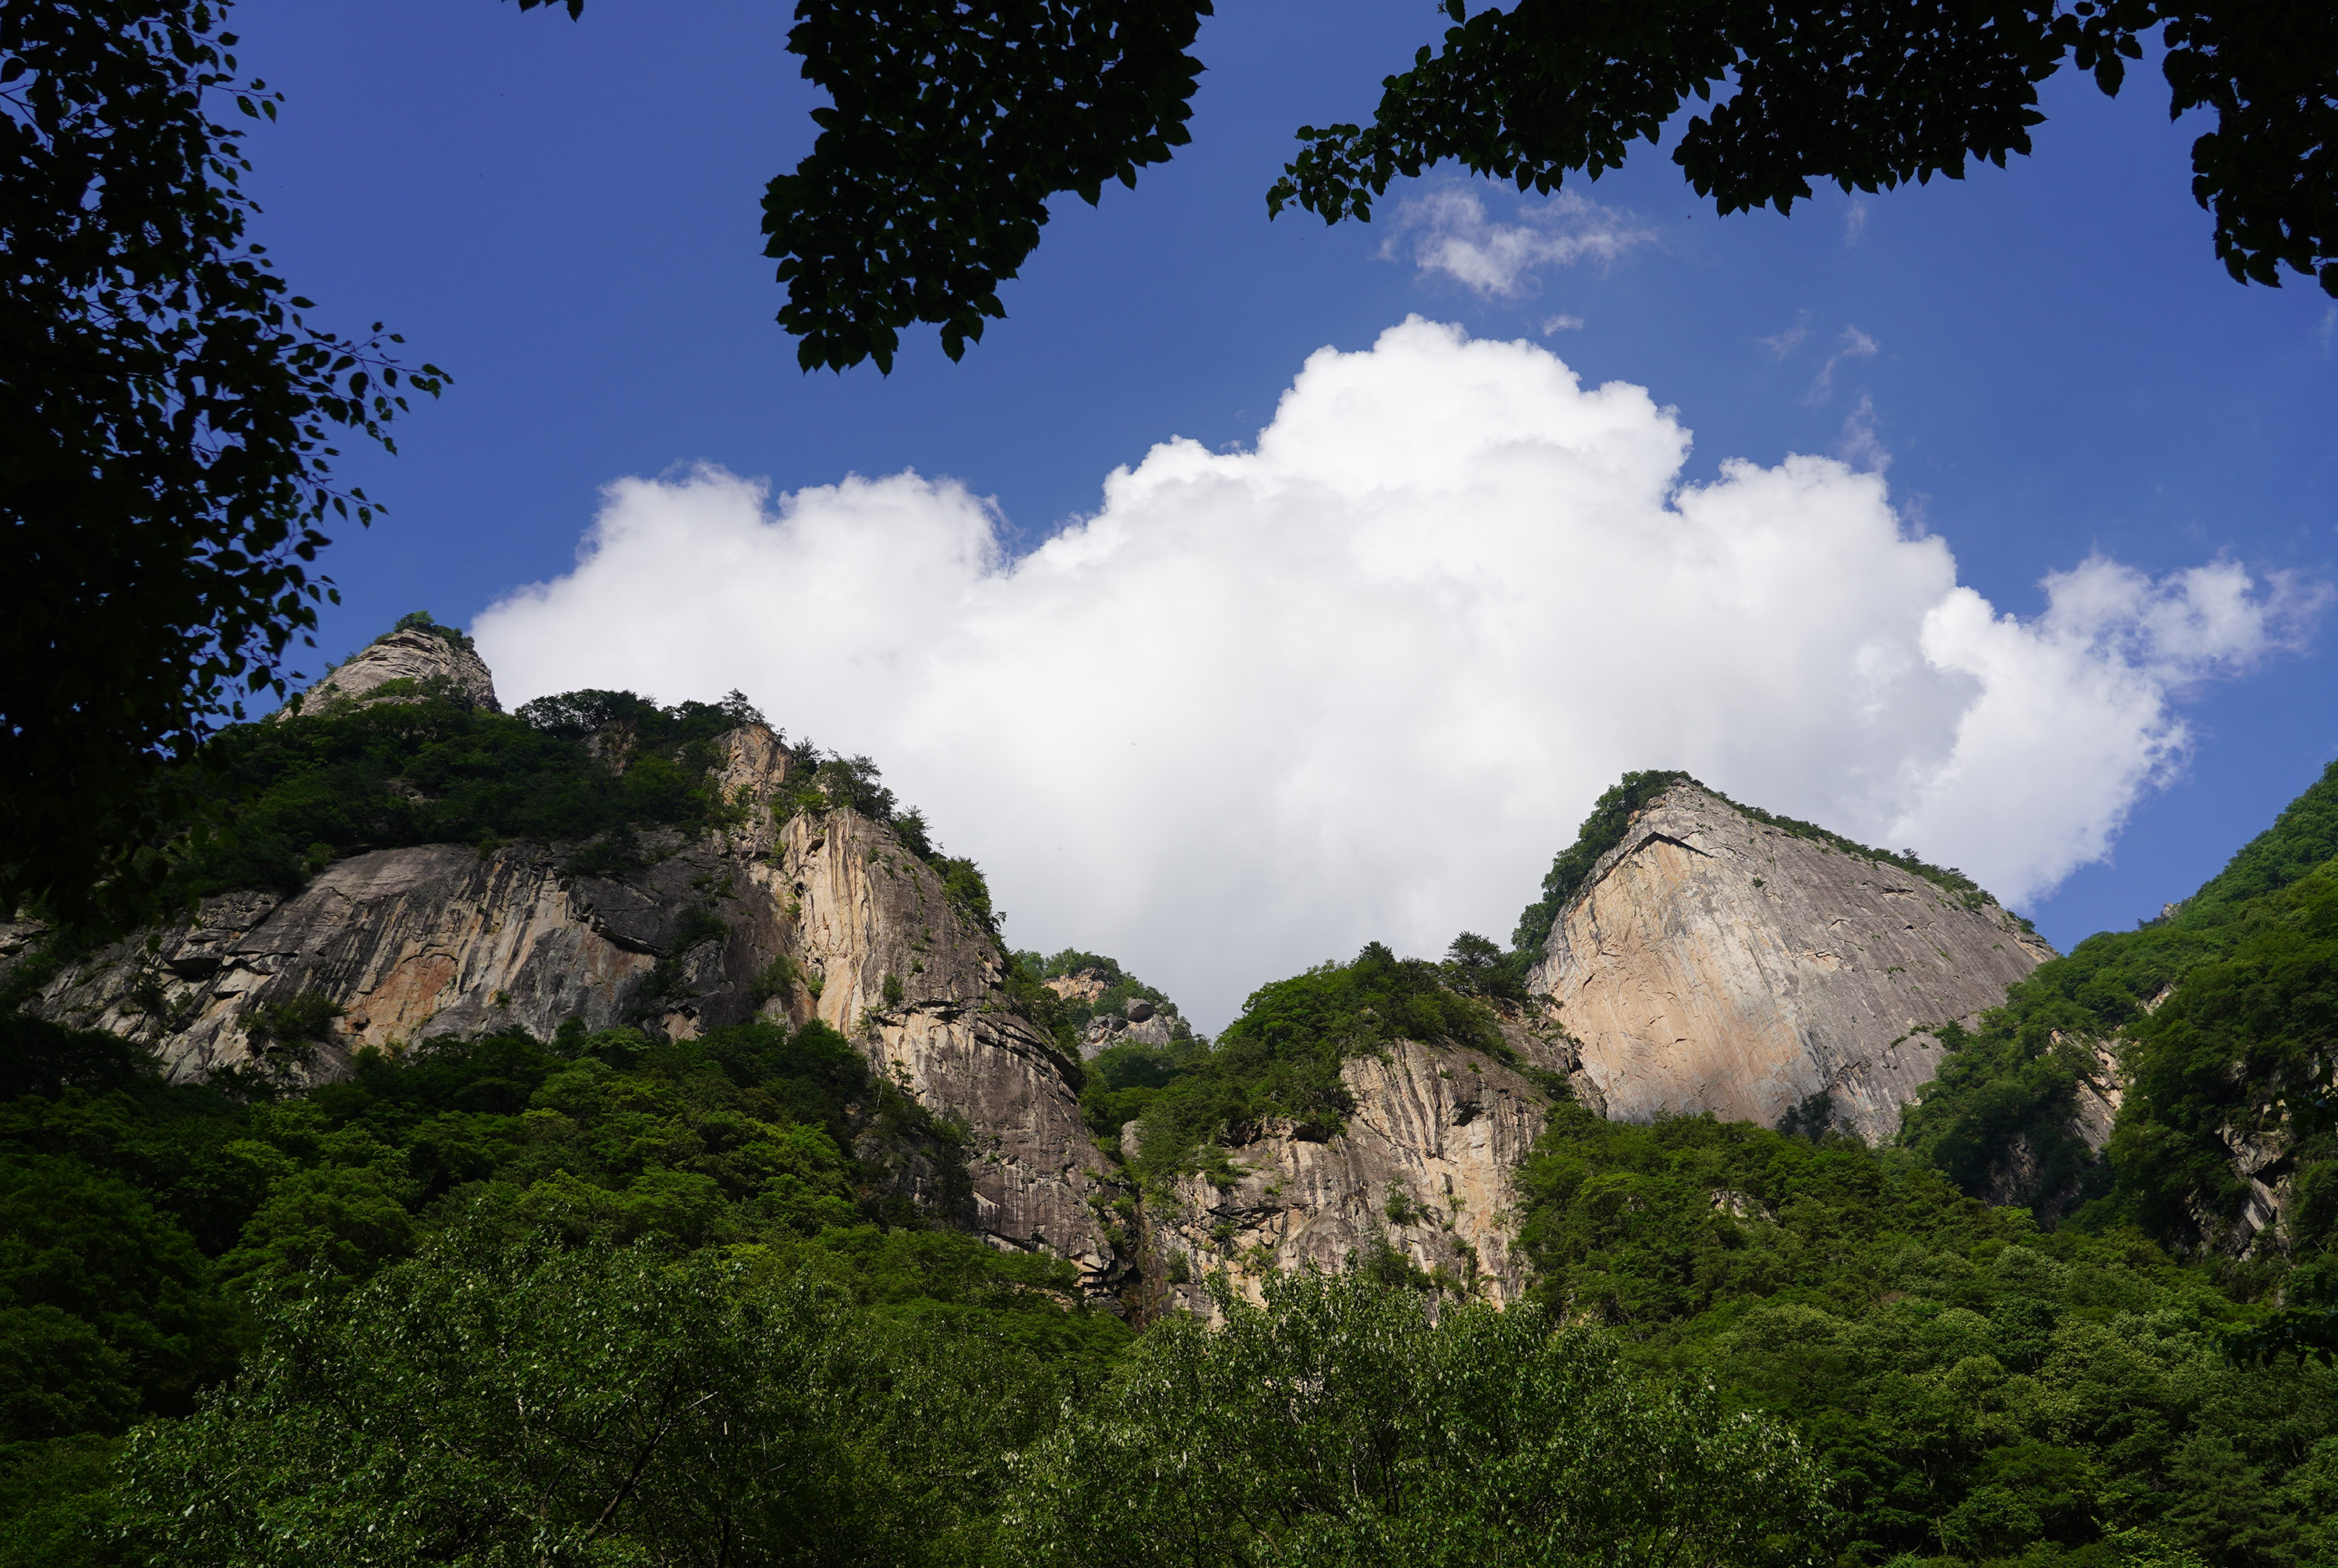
(415, 657)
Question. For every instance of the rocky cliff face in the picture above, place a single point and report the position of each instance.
(1421, 1173)
(1712, 961)
(886, 957)
(429, 659)
(826, 916)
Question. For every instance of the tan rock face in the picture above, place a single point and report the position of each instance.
(862, 909)
(814, 916)
(407, 942)
(1714, 963)
(1084, 986)
(1423, 1167)
(408, 655)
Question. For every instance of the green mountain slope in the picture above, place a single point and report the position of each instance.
(2223, 1018)
(1978, 1391)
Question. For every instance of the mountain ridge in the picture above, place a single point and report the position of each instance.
(571, 1068)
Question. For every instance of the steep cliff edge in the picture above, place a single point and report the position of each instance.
(784, 904)
(883, 954)
(1711, 961)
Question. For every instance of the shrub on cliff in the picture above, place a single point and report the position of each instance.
(393, 773)
(1281, 1059)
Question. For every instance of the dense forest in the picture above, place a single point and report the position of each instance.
(610, 1298)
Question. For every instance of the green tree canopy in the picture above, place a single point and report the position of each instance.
(1344, 1423)
(166, 414)
(951, 122)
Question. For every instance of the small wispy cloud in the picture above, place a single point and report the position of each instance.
(2191, 626)
(1562, 324)
(1849, 345)
(1858, 444)
(1450, 231)
(1792, 338)
(2328, 332)
(1854, 223)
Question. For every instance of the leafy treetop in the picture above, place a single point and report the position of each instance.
(927, 184)
(167, 414)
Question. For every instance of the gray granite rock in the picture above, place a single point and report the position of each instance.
(829, 918)
(435, 662)
(1712, 961)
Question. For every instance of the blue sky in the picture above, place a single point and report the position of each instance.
(565, 216)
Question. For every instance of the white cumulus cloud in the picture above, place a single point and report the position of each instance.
(1363, 679)
(1448, 231)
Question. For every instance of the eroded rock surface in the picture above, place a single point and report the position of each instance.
(828, 916)
(1422, 1167)
(435, 662)
(887, 958)
(1712, 961)
(1141, 1025)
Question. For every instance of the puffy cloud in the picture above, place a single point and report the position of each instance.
(1447, 230)
(1364, 679)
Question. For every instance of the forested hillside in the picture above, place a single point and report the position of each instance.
(1978, 1390)
(2223, 1017)
(606, 1300)
(160, 1233)
(637, 1294)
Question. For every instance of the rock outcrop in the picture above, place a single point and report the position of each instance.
(1712, 961)
(2263, 1159)
(1140, 1023)
(825, 915)
(1118, 1010)
(435, 661)
(1420, 1172)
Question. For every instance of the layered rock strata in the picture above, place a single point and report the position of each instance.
(1712, 961)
